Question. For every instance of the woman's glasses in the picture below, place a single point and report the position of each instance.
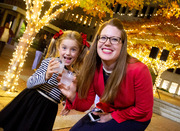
(113, 40)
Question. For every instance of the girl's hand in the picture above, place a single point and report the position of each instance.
(68, 91)
(50, 70)
(59, 77)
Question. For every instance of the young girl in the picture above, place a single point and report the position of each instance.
(35, 108)
(123, 84)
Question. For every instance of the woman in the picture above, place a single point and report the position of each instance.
(123, 84)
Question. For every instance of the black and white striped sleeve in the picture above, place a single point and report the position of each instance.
(38, 77)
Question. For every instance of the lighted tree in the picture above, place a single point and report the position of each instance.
(36, 20)
(157, 32)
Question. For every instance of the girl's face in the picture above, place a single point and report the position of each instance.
(69, 51)
(109, 50)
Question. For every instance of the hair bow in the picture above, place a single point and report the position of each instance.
(58, 34)
(84, 36)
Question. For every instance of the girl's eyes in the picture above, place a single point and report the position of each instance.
(64, 48)
(72, 49)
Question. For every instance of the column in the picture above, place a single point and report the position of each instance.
(88, 20)
(115, 8)
(133, 11)
(61, 15)
(120, 10)
(127, 10)
(147, 11)
(74, 17)
(19, 27)
(78, 19)
(98, 22)
(139, 13)
(16, 23)
(18, 30)
(84, 18)
(4, 17)
(93, 22)
(155, 10)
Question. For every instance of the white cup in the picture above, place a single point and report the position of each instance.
(61, 65)
(67, 77)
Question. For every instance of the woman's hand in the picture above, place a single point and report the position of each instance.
(64, 111)
(68, 91)
(104, 117)
(50, 70)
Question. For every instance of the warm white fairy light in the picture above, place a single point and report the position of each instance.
(153, 25)
(143, 32)
(142, 53)
(156, 40)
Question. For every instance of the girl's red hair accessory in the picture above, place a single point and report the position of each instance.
(84, 36)
(58, 34)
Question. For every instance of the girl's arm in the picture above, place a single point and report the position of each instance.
(44, 74)
(39, 76)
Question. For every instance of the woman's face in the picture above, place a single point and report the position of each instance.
(69, 51)
(107, 51)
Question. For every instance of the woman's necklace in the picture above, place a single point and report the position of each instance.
(107, 72)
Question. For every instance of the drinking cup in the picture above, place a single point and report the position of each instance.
(61, 65)
(67, 77)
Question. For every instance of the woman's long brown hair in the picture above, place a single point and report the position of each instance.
(93, 61)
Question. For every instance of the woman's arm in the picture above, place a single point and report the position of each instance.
(73, 101)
